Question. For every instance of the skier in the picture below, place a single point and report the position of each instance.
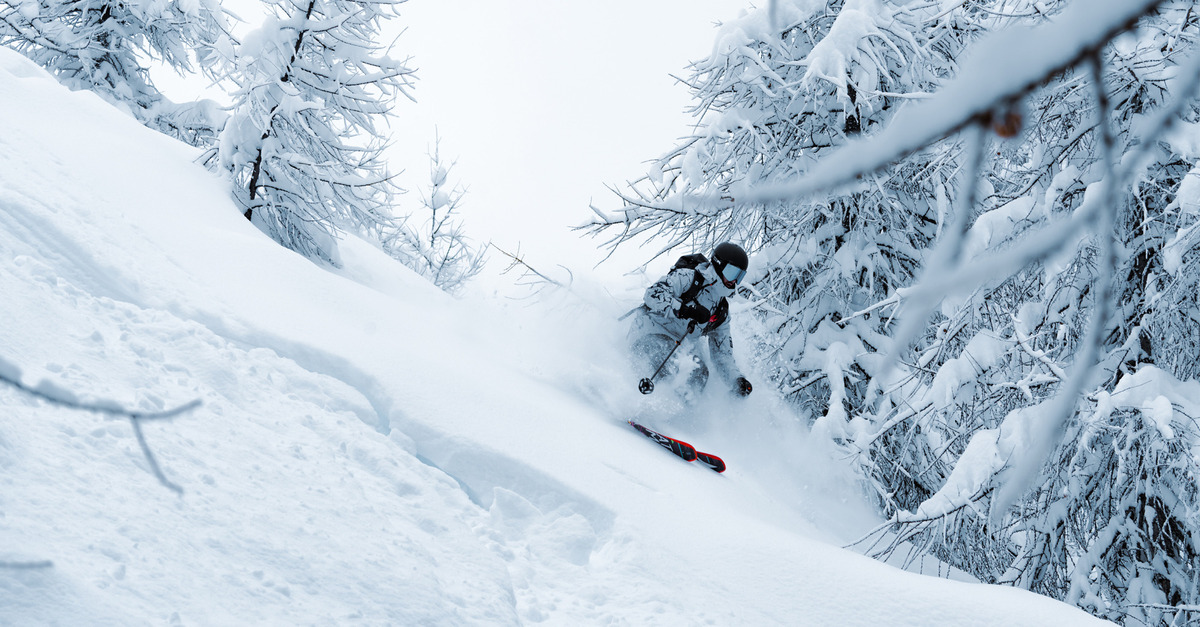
(689, 302)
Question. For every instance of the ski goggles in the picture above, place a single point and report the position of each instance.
(731, 275)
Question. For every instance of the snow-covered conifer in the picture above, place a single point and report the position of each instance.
(782, 89)
(102, 46)
(1024, 381)
(304, 142)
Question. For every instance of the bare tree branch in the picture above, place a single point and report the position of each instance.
(26, 565)
(530, 276)
(63, 398)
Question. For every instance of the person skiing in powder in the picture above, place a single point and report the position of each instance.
(687, 303)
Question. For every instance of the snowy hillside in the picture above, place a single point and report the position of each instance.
(368, 450)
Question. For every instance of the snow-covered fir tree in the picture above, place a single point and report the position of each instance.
(432, 241)
(1028, 383)
(305, 140)
(103, 46)
(780, 91)
(1001, 329)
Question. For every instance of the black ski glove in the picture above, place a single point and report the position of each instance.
(743, 387)
(694, 311)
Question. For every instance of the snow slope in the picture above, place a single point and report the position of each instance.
(368, 450)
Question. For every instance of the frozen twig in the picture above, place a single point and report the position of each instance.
(530, 276)
(1037, 354)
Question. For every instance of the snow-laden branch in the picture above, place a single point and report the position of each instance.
(1097, 206)
(1049, 431)
(1001, 68)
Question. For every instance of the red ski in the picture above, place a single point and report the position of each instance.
(685, 451)
(710, 460)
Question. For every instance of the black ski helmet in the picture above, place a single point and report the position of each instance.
(728, 254)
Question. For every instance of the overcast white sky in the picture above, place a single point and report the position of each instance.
(544, 102)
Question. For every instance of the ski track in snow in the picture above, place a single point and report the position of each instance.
(369, 450)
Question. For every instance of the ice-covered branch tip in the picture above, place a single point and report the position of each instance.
(1001, 69)
(57, 395)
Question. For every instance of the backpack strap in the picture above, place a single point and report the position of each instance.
(691, 292)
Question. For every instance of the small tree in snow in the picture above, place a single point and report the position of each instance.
(101, 45)
(438, 249)
(304, 144)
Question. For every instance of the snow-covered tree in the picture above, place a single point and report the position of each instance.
(783, 88)
(1002, 330)
(437, 247)
(103, 46)
(1035, 468)
(304, 143)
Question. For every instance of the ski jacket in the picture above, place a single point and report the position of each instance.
(664, 298)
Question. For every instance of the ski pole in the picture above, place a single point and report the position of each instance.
(646, 385)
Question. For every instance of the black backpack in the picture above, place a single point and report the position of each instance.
(690, 262)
